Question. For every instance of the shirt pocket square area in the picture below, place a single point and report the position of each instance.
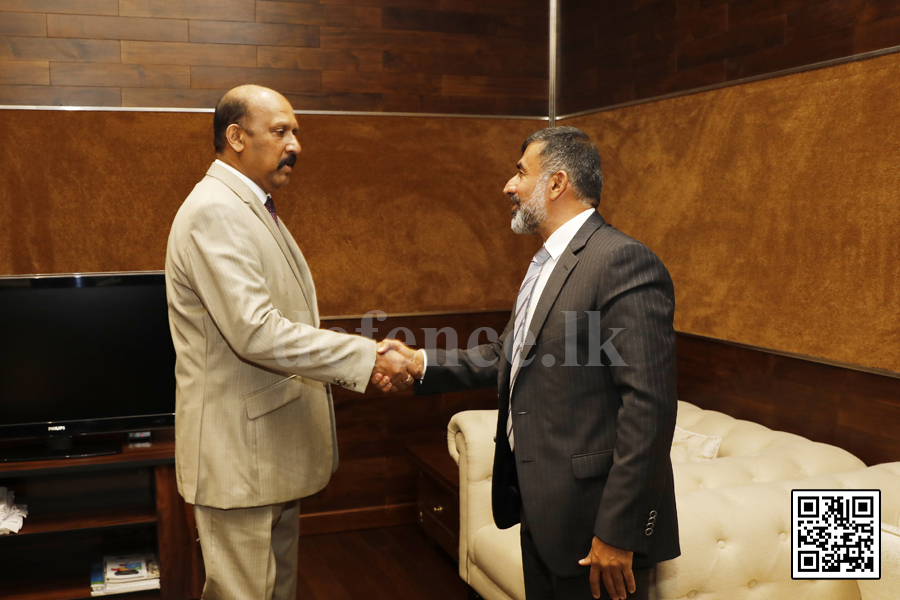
(275, 396)
(593, 464)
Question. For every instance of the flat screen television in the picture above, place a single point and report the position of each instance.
(82, 354)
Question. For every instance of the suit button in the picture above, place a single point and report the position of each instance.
(648, 531)
(652, 513)
(652, 520)
(353, 386)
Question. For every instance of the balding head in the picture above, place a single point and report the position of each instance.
(234, 109)
(255, 132)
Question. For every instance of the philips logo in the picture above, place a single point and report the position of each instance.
(56, 428)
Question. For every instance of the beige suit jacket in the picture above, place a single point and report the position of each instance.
(254, 419)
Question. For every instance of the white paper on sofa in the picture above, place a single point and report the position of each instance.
(688, 446)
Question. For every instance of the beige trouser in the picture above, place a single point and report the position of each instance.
(250, 553)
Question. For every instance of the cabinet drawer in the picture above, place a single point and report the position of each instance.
(439, 513)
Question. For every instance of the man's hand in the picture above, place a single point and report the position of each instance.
(613, 565)
(396, 366)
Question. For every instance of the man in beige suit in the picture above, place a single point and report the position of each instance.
(254, 418)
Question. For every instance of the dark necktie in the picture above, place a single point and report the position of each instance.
(270, 206)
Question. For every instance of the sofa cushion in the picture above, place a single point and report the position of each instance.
(888, 586)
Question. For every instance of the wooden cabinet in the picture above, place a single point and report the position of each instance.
(80, 509)
(438, 495)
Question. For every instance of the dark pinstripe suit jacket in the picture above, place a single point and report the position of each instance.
(592, 438)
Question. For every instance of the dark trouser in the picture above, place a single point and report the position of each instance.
(541, 584)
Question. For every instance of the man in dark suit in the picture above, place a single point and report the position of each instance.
(585, 372)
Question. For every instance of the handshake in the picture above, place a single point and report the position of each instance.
(397, 366)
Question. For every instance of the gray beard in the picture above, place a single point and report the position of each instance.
(531, 213)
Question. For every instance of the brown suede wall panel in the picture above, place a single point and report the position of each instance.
(396, 214)
(774, 205)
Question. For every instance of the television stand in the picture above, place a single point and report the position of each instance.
(80, 509)
(58, 448)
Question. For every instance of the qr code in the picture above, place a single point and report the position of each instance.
(836, 534)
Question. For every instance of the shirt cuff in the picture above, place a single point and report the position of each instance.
(424, 364)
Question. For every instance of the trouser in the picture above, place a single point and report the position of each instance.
(250, 553)
(541, 584)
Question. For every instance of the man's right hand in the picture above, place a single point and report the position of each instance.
(396, 366)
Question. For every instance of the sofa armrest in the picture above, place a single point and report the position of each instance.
(470, 438)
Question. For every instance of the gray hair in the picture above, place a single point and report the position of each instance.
(571, 150)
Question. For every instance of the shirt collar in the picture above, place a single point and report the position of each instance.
(250, 183)
(560, 239)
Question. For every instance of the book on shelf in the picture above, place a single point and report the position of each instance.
(124, 573)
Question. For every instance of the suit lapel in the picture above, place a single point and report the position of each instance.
(564, 266)
(305, 275)
(249, 198)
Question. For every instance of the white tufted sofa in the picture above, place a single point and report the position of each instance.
(734, 514)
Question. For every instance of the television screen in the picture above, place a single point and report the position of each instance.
(84, 353)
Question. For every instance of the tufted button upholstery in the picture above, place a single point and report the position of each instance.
(751, 519)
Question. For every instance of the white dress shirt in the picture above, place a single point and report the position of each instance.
(556, 244)
(250, 183)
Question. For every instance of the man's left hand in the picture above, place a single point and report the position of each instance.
(611, 564)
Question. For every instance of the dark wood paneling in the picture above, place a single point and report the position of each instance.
(361, 82)
(117, 28)
(59, 50)
(23, 24)
(836, 404)
(398, 50)
(26, 72)
(213, 10)
(737, 42)
(46, 95)
(750, 37)
(339, 101)
(302, 13)
(826, 47)
(875, 36)
(77, 7)
(436, 20)
(100, 75)
(268, 34)
(281, 57)
(681, 80)
(528, 63)
(374, 428)
(181, 98)
(199, 55)
(286, 80)
(456, 85)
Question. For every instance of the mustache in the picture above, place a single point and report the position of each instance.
(514, 198)
(288, 160)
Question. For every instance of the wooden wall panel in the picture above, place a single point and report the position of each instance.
(24, 24)
(117, 28)
(773, 204)
(365, 192)
(665, 46)
(373, 428)
(362, 55)
(835, 404)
